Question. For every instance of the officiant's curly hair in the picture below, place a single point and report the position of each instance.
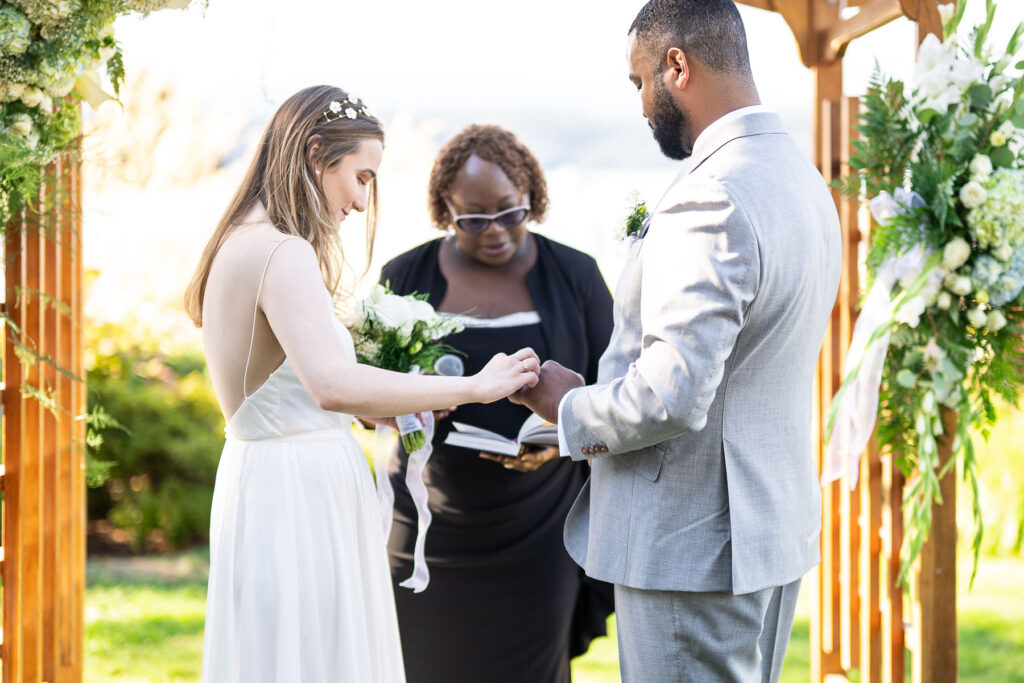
(710, 31)
(497, 146)
(305, 132)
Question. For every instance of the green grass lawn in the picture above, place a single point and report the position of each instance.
(144, 622)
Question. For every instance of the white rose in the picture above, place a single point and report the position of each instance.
(957, 251)
(995, 321)
(944, 301)
(997, 138)
(930, 292)
(393, 312)
(32, 97)
(421, 310)
(22, 125)
(977, 317)
(960, 285)
(13, 91)
(973, 195)
(910, 312)
(1003, 252)
(981, 165)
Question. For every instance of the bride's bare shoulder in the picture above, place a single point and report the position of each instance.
(251, 245)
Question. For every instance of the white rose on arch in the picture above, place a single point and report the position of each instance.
(995, 321)
(981, 165)
(956, 253)
(977, 317)
(973, 195)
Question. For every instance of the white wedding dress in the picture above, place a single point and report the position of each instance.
(299, 588)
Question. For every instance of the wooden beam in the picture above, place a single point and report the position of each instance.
(872, 14)
(768, 5)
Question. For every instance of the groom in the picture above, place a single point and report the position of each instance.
(703, 507)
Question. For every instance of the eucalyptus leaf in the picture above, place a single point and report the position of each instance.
(1002, 157)
(926, 116)
(981, 95)
(968, 120)
(906, 379)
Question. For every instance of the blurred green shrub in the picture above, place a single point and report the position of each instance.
(159, 488)
(1001, 482)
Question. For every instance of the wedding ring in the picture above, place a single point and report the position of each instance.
(526, 367)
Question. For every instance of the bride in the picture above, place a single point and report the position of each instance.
(299, 587)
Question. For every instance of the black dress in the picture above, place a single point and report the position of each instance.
(505, 600)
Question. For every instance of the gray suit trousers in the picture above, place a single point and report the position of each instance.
(679, 636)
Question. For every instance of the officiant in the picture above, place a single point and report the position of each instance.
(505, 602)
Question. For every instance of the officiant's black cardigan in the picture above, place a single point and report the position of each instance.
(566, 286)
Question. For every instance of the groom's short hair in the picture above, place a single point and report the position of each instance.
(710, 31)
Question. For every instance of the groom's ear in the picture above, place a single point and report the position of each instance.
(678, 67)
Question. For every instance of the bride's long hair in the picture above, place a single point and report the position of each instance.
(282, 179)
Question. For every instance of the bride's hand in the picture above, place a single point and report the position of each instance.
(504, 375)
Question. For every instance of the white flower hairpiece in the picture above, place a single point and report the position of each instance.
(350, 108)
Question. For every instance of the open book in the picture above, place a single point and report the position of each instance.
(534, 431)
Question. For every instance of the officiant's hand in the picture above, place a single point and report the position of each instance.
(532, 458)
(555, 382)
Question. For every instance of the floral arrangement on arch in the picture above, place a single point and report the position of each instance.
(51, 56)
(941, 162)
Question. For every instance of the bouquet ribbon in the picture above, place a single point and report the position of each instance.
(420, 578)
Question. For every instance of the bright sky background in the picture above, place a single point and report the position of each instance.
(552, 71)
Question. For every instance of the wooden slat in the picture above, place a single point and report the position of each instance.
(850, 502)
(891, 604)
(51, 502)
(14, 238)
(935, 634)
(77, 404)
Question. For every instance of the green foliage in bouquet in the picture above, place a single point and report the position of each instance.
(953, 139)
(162, 464)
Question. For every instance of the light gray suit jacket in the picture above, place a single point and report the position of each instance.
(699, 425)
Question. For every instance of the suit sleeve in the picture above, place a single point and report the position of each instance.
(701, 269)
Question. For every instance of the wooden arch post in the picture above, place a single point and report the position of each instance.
(42, 558)
(858, 617)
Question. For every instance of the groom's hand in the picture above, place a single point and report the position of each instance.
(555, 382)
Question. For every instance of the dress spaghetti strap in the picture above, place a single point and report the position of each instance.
(255, 313)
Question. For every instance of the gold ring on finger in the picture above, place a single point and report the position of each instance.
(526, 366)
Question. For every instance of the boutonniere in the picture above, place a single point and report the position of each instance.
(637, 222)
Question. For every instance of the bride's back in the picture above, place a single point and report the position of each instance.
(232, 320)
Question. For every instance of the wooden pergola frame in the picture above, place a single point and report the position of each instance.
(857, 620)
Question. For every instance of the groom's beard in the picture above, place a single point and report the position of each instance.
(670, 124)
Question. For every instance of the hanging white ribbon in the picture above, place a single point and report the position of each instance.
(417, 489)
(382, 446)
(855, 406)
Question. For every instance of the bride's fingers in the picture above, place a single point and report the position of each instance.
(526, 353)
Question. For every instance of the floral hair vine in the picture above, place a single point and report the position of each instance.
(348, 108)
